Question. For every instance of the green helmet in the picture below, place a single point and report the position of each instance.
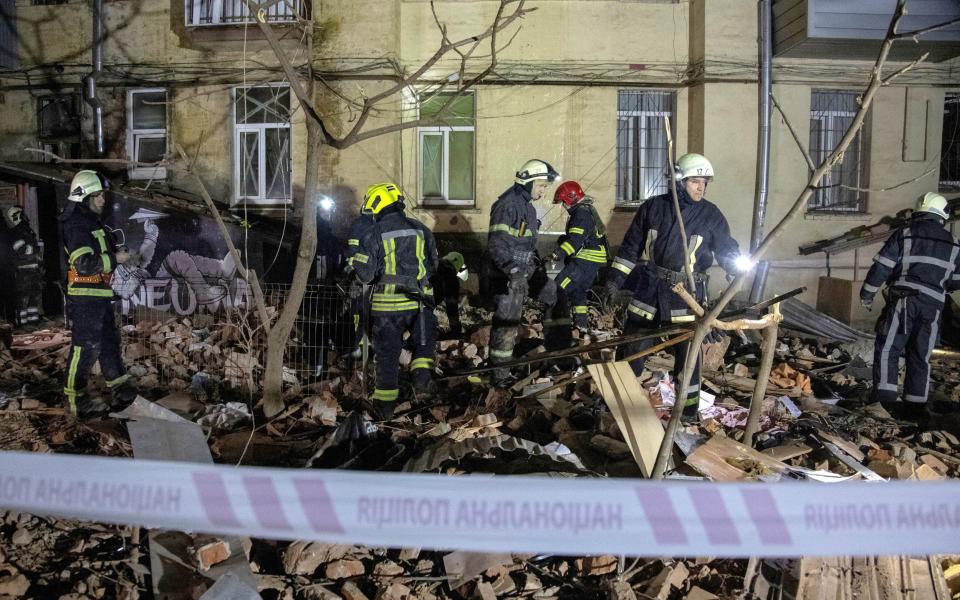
(455, 259)
(85, 183)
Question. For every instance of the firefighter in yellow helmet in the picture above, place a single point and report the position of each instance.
(398, 256)
(91, 255)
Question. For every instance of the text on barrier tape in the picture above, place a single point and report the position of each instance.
(492, 513)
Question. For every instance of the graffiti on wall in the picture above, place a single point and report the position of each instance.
(178, 264)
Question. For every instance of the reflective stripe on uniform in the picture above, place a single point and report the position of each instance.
(683, 319)
(580, 310)
(623, 265)
(97, 292)
(939, 296)
(576, 230)
(115, 382)
(19, 244)
(390, 235)
(565, 282)
(494, 353)
(637, 309)
(353, 242)
(102, 238)
(503, 227)
(599, 256)
(70, 388)
(695, 243)
(567, 247)
(884, 261)
(360, 257)
(78, 253)
(421, 363)
(386, 395)
(928, 260)
(871, 288)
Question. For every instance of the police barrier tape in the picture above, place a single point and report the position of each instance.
(492, 513)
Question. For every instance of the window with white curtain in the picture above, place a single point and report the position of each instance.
(642, 144)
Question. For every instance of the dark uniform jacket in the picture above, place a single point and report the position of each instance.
(89, 250)
(24, 244)
(399, 256)
(653, 241)
(513, 233)
(358, 228)
(585, 238)
(922, 259)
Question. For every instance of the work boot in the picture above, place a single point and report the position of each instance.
(503, 378)
(123, 396)
(424, 389)
(85, 407)
(690, 412)
(915, 412)
(382, 410)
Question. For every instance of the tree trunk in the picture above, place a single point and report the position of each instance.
(280, 332)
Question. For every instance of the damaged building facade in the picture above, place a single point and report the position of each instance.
(584, 84)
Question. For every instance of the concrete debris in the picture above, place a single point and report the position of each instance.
(816, 423)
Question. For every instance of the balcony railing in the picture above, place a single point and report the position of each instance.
(205, 13)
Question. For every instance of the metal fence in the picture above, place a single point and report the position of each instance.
(224, 339)
(234, 12)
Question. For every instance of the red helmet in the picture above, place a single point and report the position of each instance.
(569, 192)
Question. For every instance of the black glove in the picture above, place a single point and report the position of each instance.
(611, 288)
(714, 336)
(548, 294)
(866, 302)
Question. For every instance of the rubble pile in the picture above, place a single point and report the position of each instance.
(815, 425)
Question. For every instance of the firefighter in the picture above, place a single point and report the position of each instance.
(511, 245)
(358, 301)
(91, 256)
(397, 256)
(653, 257)
(919, 264)
(27, 259)
(583, 248)
(446, 286)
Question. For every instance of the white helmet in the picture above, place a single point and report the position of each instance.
(13, 215)
(933, 203)
(86, 183)
(536, 169)
(693, 165)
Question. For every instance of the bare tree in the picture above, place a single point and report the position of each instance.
(319, 134)
(709, 320)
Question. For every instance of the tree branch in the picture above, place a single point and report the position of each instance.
(672, 182)
(918, 32)
(793, 132)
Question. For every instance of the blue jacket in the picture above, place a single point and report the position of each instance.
(513, 232)
(653, 239)
(922, 256)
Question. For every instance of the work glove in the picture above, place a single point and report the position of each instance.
(557, 256)
(611, 289)
(866, 302)
(715, 335)
(548, 294)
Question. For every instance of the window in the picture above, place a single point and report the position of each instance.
(831, 113)
(642, 144)
(262, 144)
(447, 151)
(147, 131)
(234, 12)
(46, 2)
(950, 145)
(58, 125)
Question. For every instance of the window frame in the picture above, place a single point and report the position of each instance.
(948, 185)
(632, 118)
(829, 139)
(134, 135)
(194, 14)
(444, 132)
(260, 128)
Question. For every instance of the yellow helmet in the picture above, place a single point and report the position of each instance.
(380, 196)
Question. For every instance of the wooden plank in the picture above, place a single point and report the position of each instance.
(630, 405)
(787, 451)
(724, 459)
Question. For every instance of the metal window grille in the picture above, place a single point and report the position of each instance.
(154, 325)
(47, 2)
(262, 144)
(950, 144)
(642, 144)
(831, 113)
(199, 13)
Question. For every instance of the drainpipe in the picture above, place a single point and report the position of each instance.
(765, 44)
(91, 81)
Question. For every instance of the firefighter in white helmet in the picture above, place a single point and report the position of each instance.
(920, 264)
(512, 245)
(91, 255)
